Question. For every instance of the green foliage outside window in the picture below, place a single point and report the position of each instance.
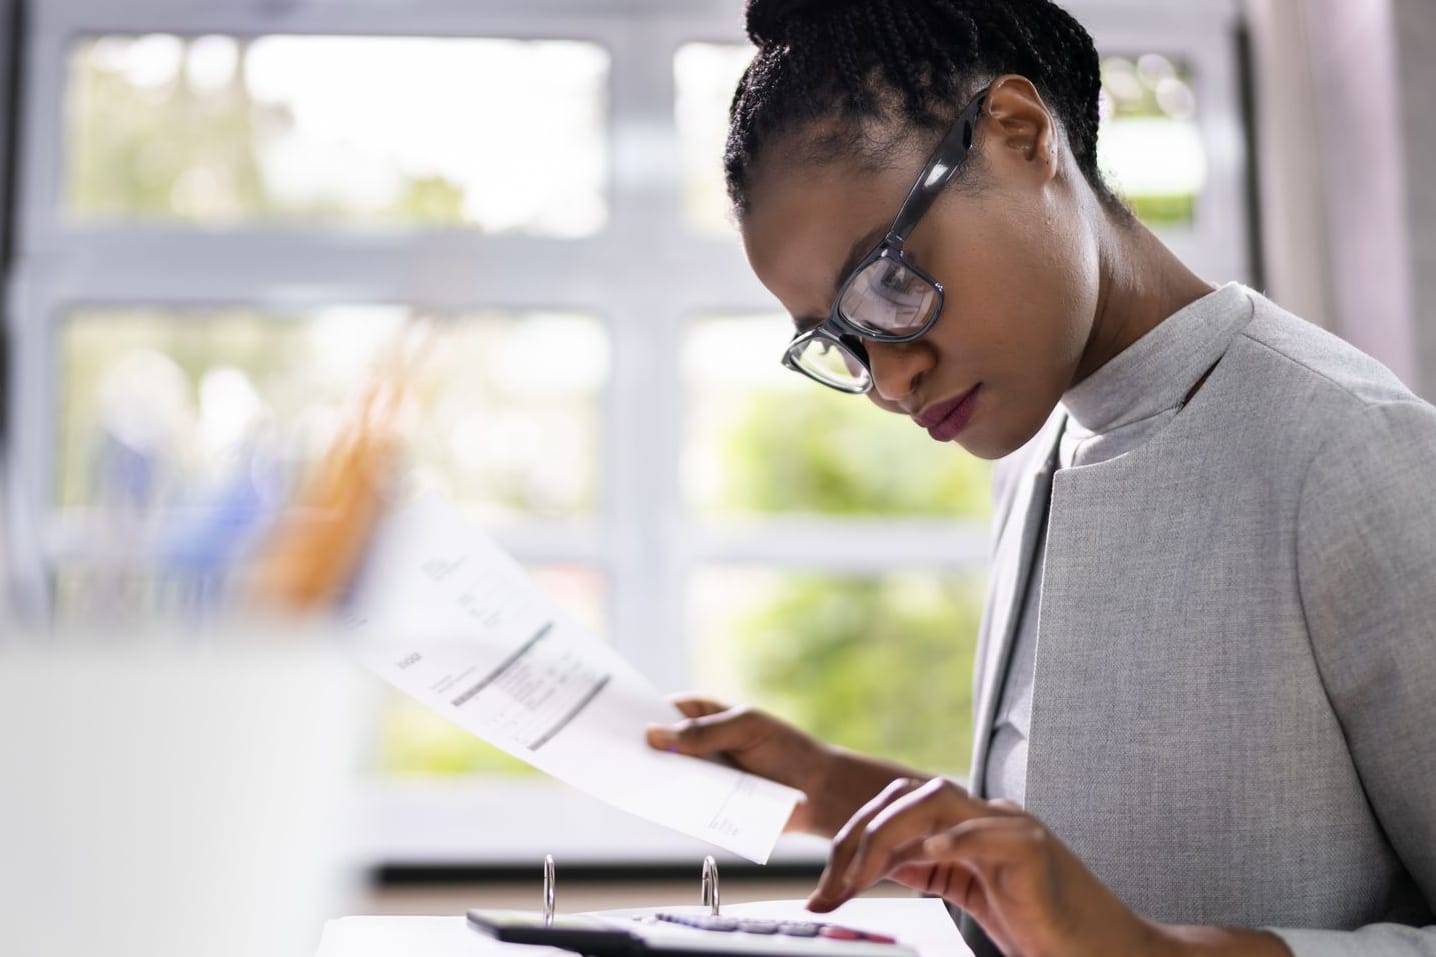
(818, 451)
(881, 664)
(878, 663)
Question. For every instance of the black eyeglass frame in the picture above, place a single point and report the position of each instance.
(838, 329)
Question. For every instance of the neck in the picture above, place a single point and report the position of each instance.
(1141, 283)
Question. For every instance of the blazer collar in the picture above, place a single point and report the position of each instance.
(1021, 522)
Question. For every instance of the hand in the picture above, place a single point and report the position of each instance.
(1029, 892)
(834, 782)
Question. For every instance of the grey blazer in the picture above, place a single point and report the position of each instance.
(1234, 703)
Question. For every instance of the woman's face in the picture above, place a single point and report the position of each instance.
(1016, 260)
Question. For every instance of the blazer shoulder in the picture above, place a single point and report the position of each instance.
(1291, 357)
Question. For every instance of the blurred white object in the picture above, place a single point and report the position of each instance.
(163, 801)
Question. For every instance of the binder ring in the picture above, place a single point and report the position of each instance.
(549, 893)
(710, 885)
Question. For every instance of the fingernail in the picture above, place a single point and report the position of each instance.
(937, 844)
(661, 737)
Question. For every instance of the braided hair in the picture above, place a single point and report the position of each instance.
(837, 70)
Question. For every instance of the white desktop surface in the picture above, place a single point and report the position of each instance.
(921, 923)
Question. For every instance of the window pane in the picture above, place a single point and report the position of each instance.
(506, 136)
(879, 664)
(416, 742)
(762, 439)
(705, 75)
(1150, 146)
(161, 409)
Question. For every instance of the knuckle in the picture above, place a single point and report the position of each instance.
(943, 786)
(744, 715)
(693, 730)
(899, 785)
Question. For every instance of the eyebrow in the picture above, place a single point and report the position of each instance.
(860, 248)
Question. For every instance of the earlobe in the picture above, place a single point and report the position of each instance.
(1023, 124)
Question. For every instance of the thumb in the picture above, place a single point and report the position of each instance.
(730, 730)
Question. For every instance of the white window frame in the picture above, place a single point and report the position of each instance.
(645, 275)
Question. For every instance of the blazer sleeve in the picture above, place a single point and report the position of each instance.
(1366, 562)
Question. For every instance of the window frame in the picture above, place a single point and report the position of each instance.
(644, 539)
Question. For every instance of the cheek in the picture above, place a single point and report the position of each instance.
(1044, 280)
(1023, 315)
(876, 399)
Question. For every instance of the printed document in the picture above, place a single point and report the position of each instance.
(450, 619)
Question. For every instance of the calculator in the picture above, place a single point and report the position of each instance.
(680, 934)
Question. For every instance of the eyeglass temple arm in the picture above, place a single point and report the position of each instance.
(941, 166)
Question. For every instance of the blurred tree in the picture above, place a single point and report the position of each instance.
(162, 149)
(165, 147)
(823, 452)
(879, 664)
(429, 199)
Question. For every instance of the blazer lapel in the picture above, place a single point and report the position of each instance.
(1012, 563)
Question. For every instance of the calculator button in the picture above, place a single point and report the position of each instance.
(716, 923)
(799, 930)
(839, 933)
(758, 926)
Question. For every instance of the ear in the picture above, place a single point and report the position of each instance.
(1022, 133)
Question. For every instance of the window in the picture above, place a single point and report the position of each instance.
(354, 131)
(231, 215)
(1150, 145)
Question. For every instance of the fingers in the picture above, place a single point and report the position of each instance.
(890, 832)
(691, 705)
(989, 845)
(734, 729)
(833, 886)
(695, 705)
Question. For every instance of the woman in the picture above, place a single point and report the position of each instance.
(1207, 673)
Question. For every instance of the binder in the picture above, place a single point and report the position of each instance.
(679, 932)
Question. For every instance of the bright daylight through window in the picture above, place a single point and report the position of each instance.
(600, 383)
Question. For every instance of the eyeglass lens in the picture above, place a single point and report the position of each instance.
(888, 298)
(831, 363)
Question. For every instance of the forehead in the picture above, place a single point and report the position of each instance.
(803, 222)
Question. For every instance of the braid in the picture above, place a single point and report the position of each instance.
(914, 60)
(850, 41)
(892, 39)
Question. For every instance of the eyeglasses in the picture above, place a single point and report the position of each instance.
(886, 298)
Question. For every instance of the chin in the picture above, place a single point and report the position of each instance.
(995, 440)
(990, 451)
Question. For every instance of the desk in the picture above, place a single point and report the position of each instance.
(922, 923)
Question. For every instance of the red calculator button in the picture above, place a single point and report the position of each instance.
(878, 938)
(839, 933)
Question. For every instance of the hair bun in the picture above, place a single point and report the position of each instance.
(770, 22)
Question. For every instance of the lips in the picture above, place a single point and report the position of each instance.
(945, 420)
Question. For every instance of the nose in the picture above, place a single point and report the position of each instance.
(896, 367)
